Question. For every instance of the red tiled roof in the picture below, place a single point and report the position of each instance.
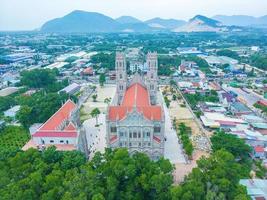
(55, 134)
(70, 127)
(51, 127)
(62, 114)
(262, 131)
(88, 70)
(135, 96)
(196, 84)
(262, 102)
(259, 149)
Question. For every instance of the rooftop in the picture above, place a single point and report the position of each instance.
(54, 125)
(136, 97)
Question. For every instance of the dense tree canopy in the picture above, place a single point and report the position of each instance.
(66, 175)
(105, 60)
(203, 65)
(231, 143)
(194, 99)
(259, 60)
(228, 53)
(12, 138)
(6, 103)
(216, 177)
(39, 107)
(38, 78)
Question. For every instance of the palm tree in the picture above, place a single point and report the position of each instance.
(95, 113)
(94, 96)
(107, 100)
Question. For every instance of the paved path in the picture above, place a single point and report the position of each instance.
(96, 136)
(172, 149)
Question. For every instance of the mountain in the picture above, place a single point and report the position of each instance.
(200, 23)
(242, 20)
(128, 20)
(164, 23)
(81, 21)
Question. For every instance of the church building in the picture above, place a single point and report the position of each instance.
(135, 119)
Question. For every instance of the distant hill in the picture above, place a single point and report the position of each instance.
(242, 20)
(165, 23)
(128, 20)
(81, 21)
(200, 23)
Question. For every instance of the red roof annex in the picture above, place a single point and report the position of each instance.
(51, 128)
(136, 96)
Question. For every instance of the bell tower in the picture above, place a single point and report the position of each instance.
(152, 76)
(121, 75)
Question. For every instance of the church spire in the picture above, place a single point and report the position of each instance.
(121, 75)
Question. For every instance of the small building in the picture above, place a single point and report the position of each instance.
(88, 71)
(61, 130)
(259, 152)
(262, 102)
(226, 98)
(71, 89)
(219, 120)
(8, 91)
(256, 188)
(238, 108)
(12, 112)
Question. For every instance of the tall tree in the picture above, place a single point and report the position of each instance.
(95, 113)
(102, 79)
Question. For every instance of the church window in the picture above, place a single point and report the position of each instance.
(61, 141)
(139, 135)
(148, 134)
(51, 141)
(139, 144)
(157, 129)
(130, 134)
(148, 144)
(121, 134)
(113, 129)
(120, 76)
(134, 135)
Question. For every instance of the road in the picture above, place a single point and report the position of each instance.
(250, 98)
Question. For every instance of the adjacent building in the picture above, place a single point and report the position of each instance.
(61, 130)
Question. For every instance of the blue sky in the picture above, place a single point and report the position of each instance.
(31, 14)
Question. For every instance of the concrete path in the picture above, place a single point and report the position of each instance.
(172, 149)
(96, 136)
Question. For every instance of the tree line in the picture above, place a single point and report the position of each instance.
(52, 174)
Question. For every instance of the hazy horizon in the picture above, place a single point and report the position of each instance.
(18, 15)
